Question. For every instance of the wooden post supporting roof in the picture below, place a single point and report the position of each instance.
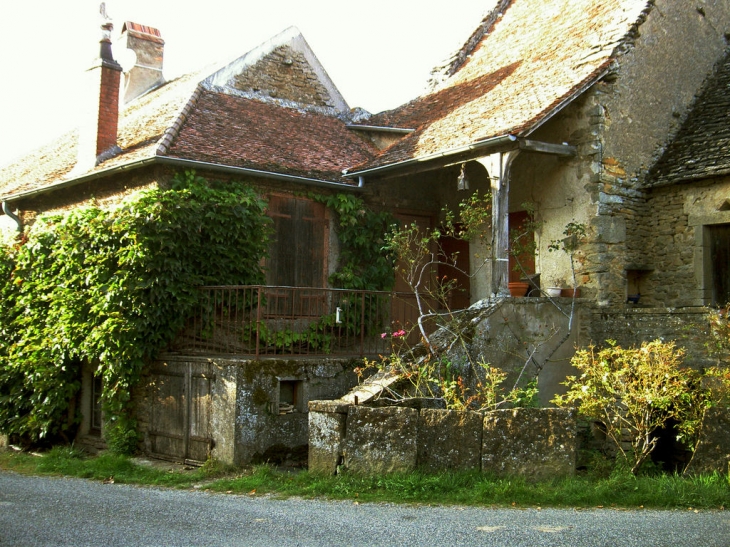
(498, 167)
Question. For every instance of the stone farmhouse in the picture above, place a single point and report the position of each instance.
(611, 114)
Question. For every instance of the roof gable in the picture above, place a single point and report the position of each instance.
(285, 68)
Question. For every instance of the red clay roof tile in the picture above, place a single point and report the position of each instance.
(245, 132)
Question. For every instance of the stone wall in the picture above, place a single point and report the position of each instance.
(675, 243)
(534, 443)
(284, 74)
(688, 327)
(713, 452)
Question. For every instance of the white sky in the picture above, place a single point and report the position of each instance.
(378, 53)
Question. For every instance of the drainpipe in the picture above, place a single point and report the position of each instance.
(12, 216)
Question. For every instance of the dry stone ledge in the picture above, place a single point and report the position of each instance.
(536, 443)
(713, 452)
(381, 440)
(449, 439)
(327, 422)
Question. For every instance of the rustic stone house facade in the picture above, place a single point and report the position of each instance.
(572, 111)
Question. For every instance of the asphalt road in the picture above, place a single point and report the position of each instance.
(41, 511)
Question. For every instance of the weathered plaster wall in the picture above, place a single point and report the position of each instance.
(261, 432)
(561, 191)
(523, 337)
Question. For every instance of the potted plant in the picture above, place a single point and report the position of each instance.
(574, 233)
(553, 289)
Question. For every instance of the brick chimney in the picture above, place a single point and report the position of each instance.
(98, 132)
(146, 48)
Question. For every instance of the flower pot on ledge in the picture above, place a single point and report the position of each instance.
(570, 293)
(518, 288)
(553, 292)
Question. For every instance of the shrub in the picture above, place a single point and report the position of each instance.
(635, 391)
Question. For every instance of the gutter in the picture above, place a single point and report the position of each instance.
(12, 216)
(175, 162)
(508, 142)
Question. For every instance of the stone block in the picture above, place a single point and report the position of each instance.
(326, 440)
(3, 442)
(336, 405)
(448, 439)
(381, 440)
(536, 443)
(713, 452)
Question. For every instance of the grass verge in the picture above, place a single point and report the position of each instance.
(621, 490)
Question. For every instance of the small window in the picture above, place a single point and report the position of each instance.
(291, 396)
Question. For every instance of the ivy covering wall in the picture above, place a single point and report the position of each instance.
(112, 288)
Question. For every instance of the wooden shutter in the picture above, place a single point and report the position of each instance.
(298, 253)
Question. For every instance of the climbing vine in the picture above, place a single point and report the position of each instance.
(363, 265)
(112, 288)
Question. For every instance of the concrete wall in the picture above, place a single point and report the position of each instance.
(523, 337)
(244, 418)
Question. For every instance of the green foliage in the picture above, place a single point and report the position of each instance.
(445, 488)
(432, 377)
(112, 288)
(635, 391)
(719, 339)
(361, 231)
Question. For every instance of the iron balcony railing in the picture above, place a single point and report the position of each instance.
(258, 321)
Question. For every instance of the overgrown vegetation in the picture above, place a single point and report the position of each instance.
(633, 392)
(465, 488)
(361, 233)
(111, 288)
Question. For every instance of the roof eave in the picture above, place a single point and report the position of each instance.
(175, 162)
(503, 143)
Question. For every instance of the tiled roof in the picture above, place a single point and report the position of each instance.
(141, 125)
(246, 132)
(701, 148)
(189, 118)
(531, 58)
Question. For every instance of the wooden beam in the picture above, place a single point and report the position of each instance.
(547, 148)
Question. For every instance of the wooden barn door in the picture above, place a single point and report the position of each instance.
(181, 411)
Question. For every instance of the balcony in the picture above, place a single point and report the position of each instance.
(264, 321)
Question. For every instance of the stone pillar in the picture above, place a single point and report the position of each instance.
(327, 429)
